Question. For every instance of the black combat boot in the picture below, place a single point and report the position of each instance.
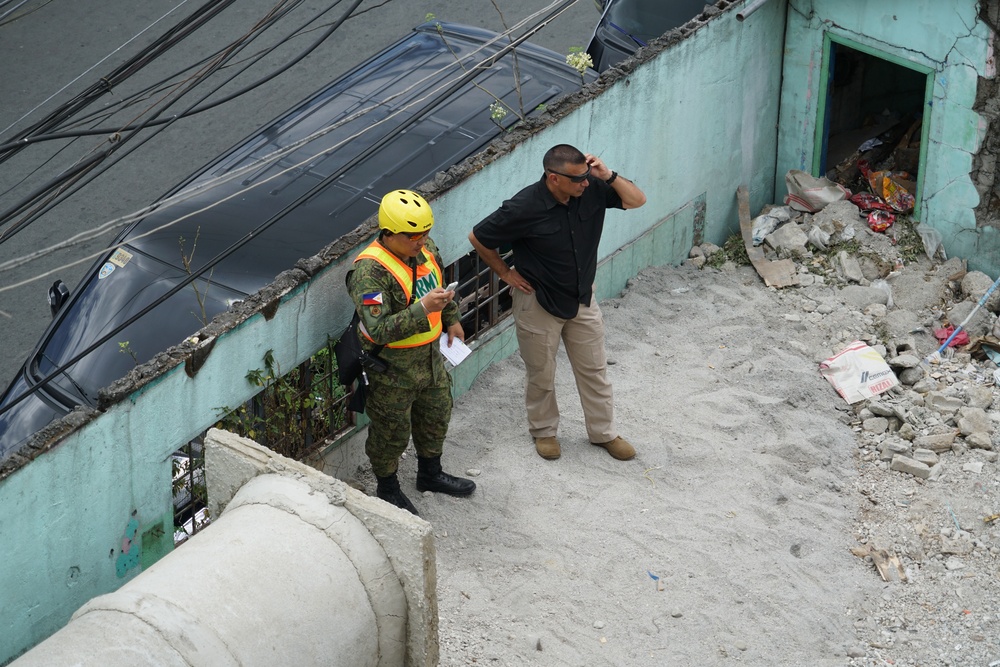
(389, 491)
(430, 477)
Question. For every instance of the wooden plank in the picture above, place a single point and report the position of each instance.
(780, 273)
(888, 565)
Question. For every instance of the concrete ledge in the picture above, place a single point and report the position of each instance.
(407, 541)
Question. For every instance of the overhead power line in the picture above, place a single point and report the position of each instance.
(550, 12)
(43, 200)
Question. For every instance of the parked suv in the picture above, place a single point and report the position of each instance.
(397, 119)
(626, 25)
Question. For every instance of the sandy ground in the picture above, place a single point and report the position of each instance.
(726, 539)
(729, 538)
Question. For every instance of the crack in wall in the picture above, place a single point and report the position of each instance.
(987, 105)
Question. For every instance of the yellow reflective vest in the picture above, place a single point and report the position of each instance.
(429, 276)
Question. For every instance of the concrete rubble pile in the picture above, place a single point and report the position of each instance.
(943, 401)
(928, 448)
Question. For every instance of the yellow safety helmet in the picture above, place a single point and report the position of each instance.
(405, 212)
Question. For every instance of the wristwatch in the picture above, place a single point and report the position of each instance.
(612, 178)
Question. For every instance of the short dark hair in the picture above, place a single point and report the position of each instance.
(557, 157)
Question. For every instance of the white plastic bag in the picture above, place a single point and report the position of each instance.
(887, 288)
(766, 223)
(819, 238)
(933, 241)
(810, 194)
(858, 372)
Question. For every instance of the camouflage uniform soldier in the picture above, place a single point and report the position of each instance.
(397, 288)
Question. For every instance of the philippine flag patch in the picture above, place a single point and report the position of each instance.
(372, 299)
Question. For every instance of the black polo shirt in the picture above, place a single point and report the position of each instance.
(555, 245)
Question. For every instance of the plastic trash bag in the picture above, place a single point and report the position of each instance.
(768, 222)
(818, 238)
(879, 221)
(933, 241)
(887, 288)
(810, 194)
(894, 188)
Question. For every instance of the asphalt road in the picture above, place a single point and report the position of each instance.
(54, 49)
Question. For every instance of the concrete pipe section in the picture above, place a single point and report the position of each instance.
(288, 574)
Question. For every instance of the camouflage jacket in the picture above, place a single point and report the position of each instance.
(393, 320)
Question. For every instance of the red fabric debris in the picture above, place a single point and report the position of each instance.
(866, 201)
(879, 221)
(942, 335)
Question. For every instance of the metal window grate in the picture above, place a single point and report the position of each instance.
(483, 299)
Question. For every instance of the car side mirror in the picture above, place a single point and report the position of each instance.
(58, 294)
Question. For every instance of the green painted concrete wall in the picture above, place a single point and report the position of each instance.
(697, 121)
(944, 39)
(689, 127)
(88, 515)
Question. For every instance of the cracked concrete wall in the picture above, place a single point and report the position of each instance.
(987, 104)
(951, 42)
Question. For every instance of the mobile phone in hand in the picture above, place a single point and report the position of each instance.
(451, 287)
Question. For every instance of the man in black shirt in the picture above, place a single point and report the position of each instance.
(554, 228)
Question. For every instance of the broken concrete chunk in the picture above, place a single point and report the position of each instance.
(941, 442)
(979, 396)
(910, 466)
(978, 325)
(925, 456)
(975, 467)
(788, 239)
(904, 361)
(848, 268)
(943, 404)
(911, 376)
(975, 284)
(881, 409)
(875, 425)
(709, 249)
(973, 420)
(979, 441)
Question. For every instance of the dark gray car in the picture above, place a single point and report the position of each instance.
(627, 25)
(396, 119)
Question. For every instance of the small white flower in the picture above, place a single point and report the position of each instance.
(497, 112)
(580, 61)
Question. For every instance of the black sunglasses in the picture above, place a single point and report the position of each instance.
(576, 179)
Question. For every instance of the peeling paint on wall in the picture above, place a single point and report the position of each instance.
(131, 550)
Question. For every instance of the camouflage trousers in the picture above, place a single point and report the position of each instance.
(396, 413)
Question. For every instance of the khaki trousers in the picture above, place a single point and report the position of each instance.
(538, 336)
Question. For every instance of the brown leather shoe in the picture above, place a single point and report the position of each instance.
(618, 448)
(548, 447)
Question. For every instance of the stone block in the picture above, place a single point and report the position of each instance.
(910, 466)
(941, 442)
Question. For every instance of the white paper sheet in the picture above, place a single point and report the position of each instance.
(457, 352)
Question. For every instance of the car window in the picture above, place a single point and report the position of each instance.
(104, 302)
(648, 19)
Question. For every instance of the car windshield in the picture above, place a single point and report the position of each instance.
(111, 297)
(648, 19)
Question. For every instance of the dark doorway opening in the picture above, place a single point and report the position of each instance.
(873, 116)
